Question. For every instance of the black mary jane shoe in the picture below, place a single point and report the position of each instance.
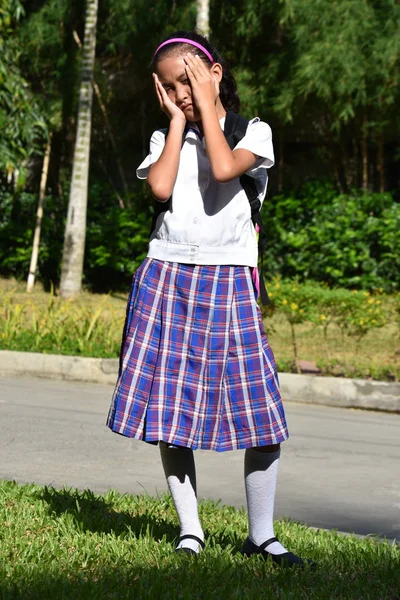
(189, 551)
(286, 560)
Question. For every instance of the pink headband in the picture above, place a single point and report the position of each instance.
(185, 41)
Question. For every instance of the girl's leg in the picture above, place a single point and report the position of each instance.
(180, 471)
(261, 474)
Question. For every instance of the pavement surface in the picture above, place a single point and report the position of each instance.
(340, 468)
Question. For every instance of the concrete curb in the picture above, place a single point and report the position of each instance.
(57, 366)
(308, 389)
(341, 392)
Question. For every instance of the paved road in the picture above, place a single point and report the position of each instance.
(340, 469)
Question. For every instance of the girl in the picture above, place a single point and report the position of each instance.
(196, 369)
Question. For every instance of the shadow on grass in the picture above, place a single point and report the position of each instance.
(93, 513)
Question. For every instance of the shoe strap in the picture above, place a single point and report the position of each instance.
(189, 536)
(267, 543)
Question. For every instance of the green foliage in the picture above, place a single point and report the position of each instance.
(349, 241)
(60, 328)
(117, 241)
(17, 222)
(354, 312)
(21, 125)
(343, 240)
(50, 57)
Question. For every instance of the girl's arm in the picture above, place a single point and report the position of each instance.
(226, 164)
(162, 174)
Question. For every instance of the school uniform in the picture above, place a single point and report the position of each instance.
(196, 367)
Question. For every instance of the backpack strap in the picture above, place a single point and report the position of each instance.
(235, 130)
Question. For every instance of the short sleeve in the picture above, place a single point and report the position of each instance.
(157, 143)
(258, 139)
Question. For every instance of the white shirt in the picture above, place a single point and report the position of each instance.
(210, 222)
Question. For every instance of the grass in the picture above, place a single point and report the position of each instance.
(67, 544)
(92, 326)
(377, 356)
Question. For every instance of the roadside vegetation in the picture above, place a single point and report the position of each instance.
(346, 333)
(63, 544)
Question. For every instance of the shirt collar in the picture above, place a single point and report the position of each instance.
(192, 127)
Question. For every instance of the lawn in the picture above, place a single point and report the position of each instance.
(68, 544)
(92, 326)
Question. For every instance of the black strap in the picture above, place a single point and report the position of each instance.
(267, 543)
(234, 130)
(188, 536)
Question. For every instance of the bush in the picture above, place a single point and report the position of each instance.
(354, 312)
(116, 240)
(343, 240)
(348, 241)
(17, 222)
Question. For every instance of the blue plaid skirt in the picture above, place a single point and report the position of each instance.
(196, 367)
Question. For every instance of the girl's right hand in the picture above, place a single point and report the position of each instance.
(171, 110)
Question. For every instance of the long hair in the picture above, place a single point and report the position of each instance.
(227, 87)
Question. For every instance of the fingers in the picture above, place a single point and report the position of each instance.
(156, 86)
(189, 70)
(161, 93)
(195, 66)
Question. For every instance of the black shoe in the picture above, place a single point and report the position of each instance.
(189, 550)
(286, 560)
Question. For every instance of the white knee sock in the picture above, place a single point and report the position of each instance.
(180, 471)
(261, 474)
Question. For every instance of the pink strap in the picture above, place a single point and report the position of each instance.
(256, 279)
(185, 41)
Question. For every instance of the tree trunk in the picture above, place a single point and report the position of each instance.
(203, 17)
(75, 229)
(108, 129)
(39, 216)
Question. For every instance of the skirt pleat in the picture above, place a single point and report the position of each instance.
(196, 368)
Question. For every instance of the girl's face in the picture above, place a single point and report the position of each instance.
(172, 75)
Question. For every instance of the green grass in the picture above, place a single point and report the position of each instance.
(77, 545)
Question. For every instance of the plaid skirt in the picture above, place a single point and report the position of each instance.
(196, 368)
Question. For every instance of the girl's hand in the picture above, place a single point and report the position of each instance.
(205, 87)
(171, 110)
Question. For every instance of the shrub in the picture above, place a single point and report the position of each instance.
(343, 240)
(355, 312)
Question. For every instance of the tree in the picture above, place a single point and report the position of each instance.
(21, 126)
(39, 216)
(203, 17)
(346, 58)
(75, 229)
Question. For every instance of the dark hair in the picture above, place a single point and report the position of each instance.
(227, 87)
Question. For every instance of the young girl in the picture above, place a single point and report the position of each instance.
(197, 370)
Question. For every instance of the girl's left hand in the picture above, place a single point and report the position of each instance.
(205, 87)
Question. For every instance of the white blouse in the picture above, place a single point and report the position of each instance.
(209, 222)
